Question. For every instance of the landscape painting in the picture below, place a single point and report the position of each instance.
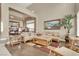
(52, 24)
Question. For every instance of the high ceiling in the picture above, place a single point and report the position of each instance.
(37, 7)
(25, 5)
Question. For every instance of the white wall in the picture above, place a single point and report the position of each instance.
(78, 24)
(17, 14)
(50, 12)
(5, 16)
(21, 9)
(5, 20)
(77, 12)
(0, 20)
(19, 17)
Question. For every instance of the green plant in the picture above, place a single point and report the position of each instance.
(67, 23)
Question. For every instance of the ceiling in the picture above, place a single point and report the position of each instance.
(47, 6)
(25, 5)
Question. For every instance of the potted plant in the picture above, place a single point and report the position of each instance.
(67, 23)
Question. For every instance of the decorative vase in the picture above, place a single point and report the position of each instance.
(67, 38)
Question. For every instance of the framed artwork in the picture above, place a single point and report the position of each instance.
(52, 24)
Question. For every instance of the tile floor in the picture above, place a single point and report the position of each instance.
(4, 51)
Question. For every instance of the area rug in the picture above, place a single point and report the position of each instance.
(42, 48)
(25, 50)
(54, 44)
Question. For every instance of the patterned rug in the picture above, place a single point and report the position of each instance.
(54, 44)
(16, 49)
(27, 50)
(42, 48)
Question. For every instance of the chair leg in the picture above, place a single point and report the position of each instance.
(24, 41)
(49, 52)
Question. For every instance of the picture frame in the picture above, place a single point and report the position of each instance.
(52, 24)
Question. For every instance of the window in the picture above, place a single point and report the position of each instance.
(30, 24)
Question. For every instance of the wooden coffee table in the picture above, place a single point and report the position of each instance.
(42, 40)
(45, 40)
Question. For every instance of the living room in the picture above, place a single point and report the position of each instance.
(38, 25)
